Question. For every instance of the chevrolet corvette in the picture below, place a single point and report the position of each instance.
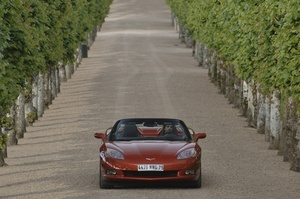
(149, 150)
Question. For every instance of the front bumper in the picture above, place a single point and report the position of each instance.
(181, 170)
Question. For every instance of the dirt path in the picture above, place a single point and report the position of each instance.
(137, 67)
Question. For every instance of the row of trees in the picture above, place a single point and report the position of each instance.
(40, 40)
(260, 37)
(251, 49)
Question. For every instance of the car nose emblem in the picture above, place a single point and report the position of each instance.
(150, 159)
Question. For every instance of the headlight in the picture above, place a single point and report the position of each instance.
(112, 153)
(188, 153)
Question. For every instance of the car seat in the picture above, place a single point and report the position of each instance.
(130, 131)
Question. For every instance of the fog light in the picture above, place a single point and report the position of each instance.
(189, 172)
(111, 172)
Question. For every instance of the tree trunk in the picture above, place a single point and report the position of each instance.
(57, 80)
(3, 150)
(20, 116)
(218, 78)
(223, 78)
(77, 57)
(62, 73)
(173, 19)
(41, 93)
(35, 94)
(244, 100)
(261, 115)
(211, 64)
(238, 93)
(275, 120)
(230, 86)
(188, 39)
(48, 84)
(54, 89)
(268, 118)
(2, 162)
(296, 163)
(181, 33)
(30, 111)
(199, 53)
(10, 130)
(176, 25)
(293, 137)
(250, 103)
(213, 61)
(284, 123)
(3, 133)
(69, 70)
(206, 60)
(289, 128)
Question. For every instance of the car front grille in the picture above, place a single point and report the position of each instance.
(150, 174)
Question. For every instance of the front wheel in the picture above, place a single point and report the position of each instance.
(102, 183)
(197, 183)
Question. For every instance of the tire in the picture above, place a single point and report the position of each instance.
(197, 183)
(102, 183)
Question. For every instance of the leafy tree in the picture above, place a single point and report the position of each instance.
(260, 37)
(37, 34)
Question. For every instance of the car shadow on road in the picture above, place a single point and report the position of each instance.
(208, 180)
(153, 185)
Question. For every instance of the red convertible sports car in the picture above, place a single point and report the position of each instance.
(150, 150)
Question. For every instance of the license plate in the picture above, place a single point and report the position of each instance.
(150, 167)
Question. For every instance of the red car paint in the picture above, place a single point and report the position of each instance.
(151, 151)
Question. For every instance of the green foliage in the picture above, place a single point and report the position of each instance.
(36, 34)
(3, 141)
(6, 122)
(260, 37)
(6, 83)
(32, 116)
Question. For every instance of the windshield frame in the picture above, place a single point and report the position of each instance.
(150, 123)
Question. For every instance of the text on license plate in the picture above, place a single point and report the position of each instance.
(150, 167)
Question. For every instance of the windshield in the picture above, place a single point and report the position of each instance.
(149, 129)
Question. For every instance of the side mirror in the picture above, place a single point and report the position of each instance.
(192, 132)
(107, 132)
(100, 136)
(199, 136)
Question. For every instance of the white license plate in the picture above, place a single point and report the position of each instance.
(150, 167)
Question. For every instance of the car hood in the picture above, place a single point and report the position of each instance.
(151, 150)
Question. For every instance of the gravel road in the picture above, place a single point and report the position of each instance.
(137, 67)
